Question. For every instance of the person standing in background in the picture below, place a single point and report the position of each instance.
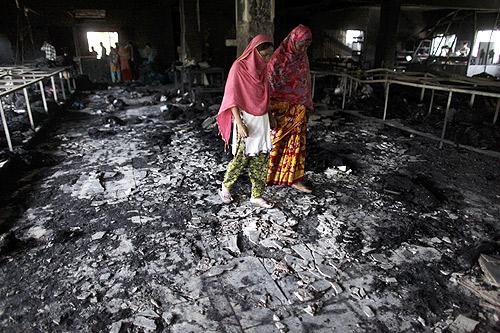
(104, 52)
(464, 51)
(135, 60)
(114, 64)
(50, 52)
(93, 52)
(148, 54)
(125, 54)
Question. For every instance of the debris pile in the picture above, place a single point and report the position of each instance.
(126, 231)
(16, 114)
(467, 126)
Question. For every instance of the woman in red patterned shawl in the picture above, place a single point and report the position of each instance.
(290, 94)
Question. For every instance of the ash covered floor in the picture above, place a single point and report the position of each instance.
(117, 227)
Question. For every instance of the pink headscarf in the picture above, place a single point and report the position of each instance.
(288, 70)
(246, 86)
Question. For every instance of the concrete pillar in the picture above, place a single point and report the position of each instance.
(253, 17)
(191, 38)
(385, 54)
(371, 36)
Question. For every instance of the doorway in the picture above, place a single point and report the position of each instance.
(95, 38)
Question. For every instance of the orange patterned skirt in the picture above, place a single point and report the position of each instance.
(287, 158)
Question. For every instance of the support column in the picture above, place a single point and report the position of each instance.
(28, 107)
(385, 54)
(54, 89)
(191, 40)
(62, 85)
(5, 127)
(253, 17)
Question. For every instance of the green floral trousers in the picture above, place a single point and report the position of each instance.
(257, 170)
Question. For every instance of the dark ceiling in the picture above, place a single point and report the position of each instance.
(322, 5)
(90, 4)
(281, 5)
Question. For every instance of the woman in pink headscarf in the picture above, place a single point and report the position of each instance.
(244, 110)
(290, 93)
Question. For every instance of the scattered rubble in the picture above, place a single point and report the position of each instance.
(368, 311)
(120, 229)
(491, 268)
(467, 125)
(462, 324)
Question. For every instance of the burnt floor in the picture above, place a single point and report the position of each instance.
(117, 227)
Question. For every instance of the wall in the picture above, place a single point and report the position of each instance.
(361, 18)
(191, 34)
(6, 51)
(218, 20)
(140, 21)
(253, 17)
(8, 33)
(153, 21)
(206, 33)
(412, 25)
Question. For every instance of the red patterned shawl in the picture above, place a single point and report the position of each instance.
(288, 70)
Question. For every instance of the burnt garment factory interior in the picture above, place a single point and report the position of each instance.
(110, 216)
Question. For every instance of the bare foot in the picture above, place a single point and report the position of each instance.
(261, 203)
(225, 195)
(301, 187)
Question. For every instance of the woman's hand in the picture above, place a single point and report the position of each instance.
(242, 130)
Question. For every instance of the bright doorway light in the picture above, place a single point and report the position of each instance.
(354, 39)
(443, 45)
(488, 41)
(108, 39)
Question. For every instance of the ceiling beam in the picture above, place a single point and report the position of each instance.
(328, 5)
(455, 4)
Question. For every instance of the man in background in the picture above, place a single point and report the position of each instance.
(464, 51)
(93, 52)
(148, 54)
(50, 53)
(114, 64)
(104, 52)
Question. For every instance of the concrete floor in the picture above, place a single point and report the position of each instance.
(119, 228)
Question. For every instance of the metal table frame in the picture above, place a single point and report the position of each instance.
(187, 75)
(16, 78)
(426, 81)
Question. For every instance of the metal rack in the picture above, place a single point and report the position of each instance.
(190, 80)
(425, 81)
(16, 78)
